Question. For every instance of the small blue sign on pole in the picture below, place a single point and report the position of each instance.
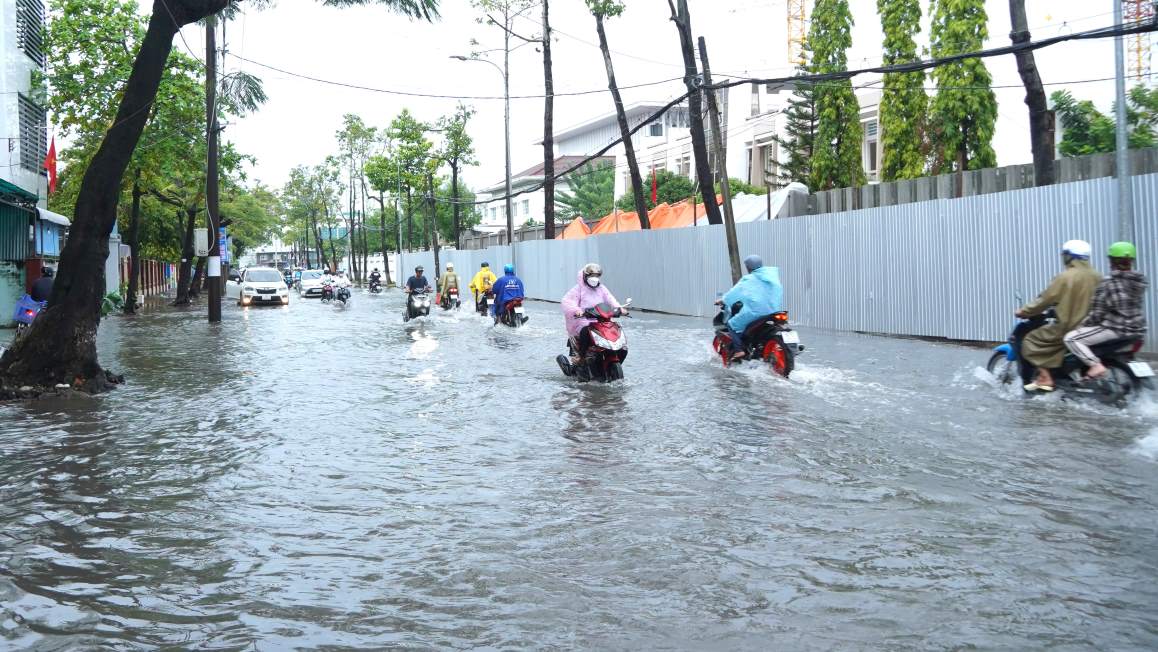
(223, 244)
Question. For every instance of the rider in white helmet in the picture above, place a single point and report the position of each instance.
(1069, 294)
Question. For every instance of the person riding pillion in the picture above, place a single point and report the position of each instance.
(482, 282)
(508, 287)
(1069, 294)
(1116, 311)
(759, 294)
(587, 293)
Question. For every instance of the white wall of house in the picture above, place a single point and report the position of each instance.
(527, 206)
(21, 154)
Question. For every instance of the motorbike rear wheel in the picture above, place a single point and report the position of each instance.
(779, 356)
(1004, 370)
(614, 371)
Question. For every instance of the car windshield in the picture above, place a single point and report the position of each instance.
(310, 276)
(262, 276)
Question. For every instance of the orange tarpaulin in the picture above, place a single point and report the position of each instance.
(576, 230)
(617, 223)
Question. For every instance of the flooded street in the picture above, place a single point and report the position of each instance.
(308, 477)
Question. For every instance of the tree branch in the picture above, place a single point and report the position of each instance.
(510, 31)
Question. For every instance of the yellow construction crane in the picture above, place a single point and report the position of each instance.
(797, 31)
(1138, 45)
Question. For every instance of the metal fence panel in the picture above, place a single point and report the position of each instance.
(949, 268)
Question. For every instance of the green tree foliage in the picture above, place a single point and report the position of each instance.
(469, 213)
(739, 187)
(417, 9)
(457, 152)
(836, 161)
(670, 189)
(799, 141)
(1086, 130)
(590, 194)
(963, 113)
(904, 104)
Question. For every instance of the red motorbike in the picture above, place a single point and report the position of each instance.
(769, 339)
(513, 314)
(449, 300)
(605, 344)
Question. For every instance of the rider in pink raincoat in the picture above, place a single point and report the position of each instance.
(589, 293)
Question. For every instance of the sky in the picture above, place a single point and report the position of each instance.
(370, 47)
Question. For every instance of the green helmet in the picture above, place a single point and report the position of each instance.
(1123, 250)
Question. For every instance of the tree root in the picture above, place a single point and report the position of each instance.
(104, 381)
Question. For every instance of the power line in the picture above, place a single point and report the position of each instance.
(438, 96)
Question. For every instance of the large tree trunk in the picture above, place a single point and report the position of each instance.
(624, 129)
(134, 246)
(61, 346)
(683, 22)
(548, 131)
(385, 249)
(200, 282)
(1041, 124)
(185, 273)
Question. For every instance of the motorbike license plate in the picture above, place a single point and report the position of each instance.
(790, 337)
(490, 303)
(1141, 370)
(520, 310)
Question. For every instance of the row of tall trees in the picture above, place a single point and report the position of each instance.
(950, 130)
(386, 189)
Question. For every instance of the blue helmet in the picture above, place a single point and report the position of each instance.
(509, 268)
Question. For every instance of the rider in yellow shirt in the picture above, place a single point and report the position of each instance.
(481, 283)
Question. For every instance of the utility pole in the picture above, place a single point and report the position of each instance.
(548, 130)
(1125, 191)
(433, 223)
(683, 23)
(212, 198)
(507, 119)
(721, 157)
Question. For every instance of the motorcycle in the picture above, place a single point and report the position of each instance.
(417, 305)
(606, 347)
(343, 295)
(1126, 376)
(449, 300)
(27, 311)
(513, 314)
(485, 300)
(327, 292)
(769, 338)
(375, 286)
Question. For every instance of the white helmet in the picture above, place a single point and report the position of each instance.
(1077, 249)
(449, 266)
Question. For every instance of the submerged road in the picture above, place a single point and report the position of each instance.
(306, 477)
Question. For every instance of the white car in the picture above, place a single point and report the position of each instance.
(310, 284)
(259, 286)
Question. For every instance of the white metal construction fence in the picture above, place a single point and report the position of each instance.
(945, 268)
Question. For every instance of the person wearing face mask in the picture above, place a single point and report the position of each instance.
(587, 294)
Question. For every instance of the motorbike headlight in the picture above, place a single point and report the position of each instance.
(600, 341)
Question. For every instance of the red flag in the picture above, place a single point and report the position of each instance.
(50, 165)
(654, 189)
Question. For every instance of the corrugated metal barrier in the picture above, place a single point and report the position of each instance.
(951, 268)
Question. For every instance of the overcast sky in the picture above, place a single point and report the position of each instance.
(370, 47)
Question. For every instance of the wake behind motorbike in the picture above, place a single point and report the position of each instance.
(601, 347)
(769, 338)
(417, 305)
(375, 286)
(1126, 376)
(449, 300)
(513, 314)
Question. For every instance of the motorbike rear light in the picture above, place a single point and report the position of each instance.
(28, 313)
(1137, 347)
(780, 317)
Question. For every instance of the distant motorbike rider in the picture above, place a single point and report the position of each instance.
(507, 288)
(759, 294)
(375, 277)
(418, 282)
(1069, 294)
(42, 287)
(1116, 311)
(587, 293)
(482, 283)
(448, 280)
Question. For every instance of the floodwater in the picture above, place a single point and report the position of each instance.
(313, 478)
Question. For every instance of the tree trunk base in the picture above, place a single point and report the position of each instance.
(81, 388)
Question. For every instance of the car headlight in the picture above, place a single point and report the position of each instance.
(247, 289)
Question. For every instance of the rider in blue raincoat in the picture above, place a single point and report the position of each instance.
(508, 287)
(760, 294)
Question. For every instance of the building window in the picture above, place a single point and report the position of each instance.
(655, 130)
(33, 136)
(526, 207)
(755, 99)
(684, 165)
(30, 29)
(494, 214)
(678, 118)
(871, 149)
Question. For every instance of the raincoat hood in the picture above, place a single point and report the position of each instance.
(582, 297)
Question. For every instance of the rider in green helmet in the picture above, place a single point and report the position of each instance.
(1116, 311)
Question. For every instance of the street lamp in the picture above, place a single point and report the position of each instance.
(507, 134)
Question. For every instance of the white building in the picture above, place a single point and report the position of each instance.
(530, 205)
(23, 120)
